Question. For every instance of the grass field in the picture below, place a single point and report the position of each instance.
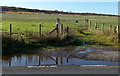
(30, 22)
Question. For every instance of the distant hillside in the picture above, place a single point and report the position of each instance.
(19, 9)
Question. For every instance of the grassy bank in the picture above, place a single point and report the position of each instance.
(97, 38)
(13, 45)
(90, 37)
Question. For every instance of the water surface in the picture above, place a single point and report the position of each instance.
(37, 59)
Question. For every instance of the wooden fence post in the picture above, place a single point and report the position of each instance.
(115, 27)
(103, 27)
(89, 24)
(62, 33)
(62, 28)
(110, 27)
(67, 30)
(10, 30)
(84, 22)
(118, 33)
(95, 25)
(40, 28)
(59, 28)
(57, 31)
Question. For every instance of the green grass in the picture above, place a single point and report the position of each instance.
(30, 22)
(98, 38)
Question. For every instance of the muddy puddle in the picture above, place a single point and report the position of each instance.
(51, 57)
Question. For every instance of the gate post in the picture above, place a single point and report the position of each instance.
(59, 28)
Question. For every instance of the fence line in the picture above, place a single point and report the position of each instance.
(61, 31)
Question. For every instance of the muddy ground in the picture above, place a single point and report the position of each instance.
(97, 53)
(102, 53)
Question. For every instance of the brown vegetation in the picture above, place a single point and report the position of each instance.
(37, 11)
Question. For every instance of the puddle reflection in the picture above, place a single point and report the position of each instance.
(40, 59)
(34, 60)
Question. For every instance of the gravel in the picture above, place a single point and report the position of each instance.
(102, 53)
